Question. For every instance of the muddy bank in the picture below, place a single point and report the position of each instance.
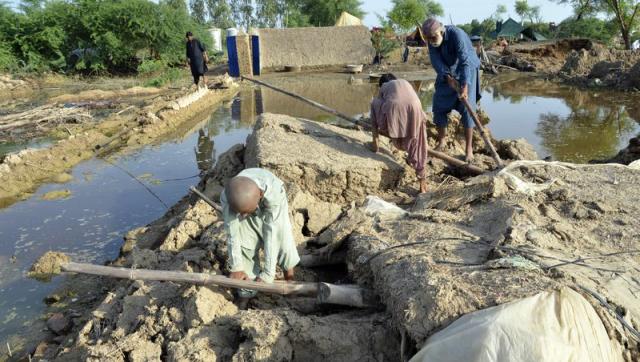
(21, 172)
(164, 320)
(627, 155)
(599, 66)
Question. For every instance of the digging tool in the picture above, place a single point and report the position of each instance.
(476, 120)
(351, 295)
(450, 160)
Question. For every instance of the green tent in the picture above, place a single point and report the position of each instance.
(531, 34)
(509, 29)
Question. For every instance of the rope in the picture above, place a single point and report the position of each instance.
(377, 254)
(180, 179)
(137, 180)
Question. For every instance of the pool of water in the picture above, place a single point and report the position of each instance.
(104, 202)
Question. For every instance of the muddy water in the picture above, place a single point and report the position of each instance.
(561, 122)
(103, 203)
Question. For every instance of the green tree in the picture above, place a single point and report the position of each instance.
(242, 13)
(220, 13)
(627, 16)
(584, 8)
(198, 11)
(267, 13)
(587, 27)
(501, 11)
(526, 11)
(406, 14)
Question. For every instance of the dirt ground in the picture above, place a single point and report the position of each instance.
(473, 243)
(122, 130)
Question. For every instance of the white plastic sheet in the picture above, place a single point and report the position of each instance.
(558, 326)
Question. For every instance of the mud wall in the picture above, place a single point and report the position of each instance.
(315, 47)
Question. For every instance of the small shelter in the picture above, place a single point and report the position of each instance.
(347, 19)
(509, 29)
(531, 34)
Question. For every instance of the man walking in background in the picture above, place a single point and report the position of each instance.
(197, 59)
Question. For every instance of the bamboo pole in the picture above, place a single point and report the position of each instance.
(476, 120)
(453, 161)
(204, 198)
(349, 295)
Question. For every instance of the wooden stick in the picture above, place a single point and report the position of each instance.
(204, 198)
(350, 295)
(277, 287)
(476, 120)
(453, 161)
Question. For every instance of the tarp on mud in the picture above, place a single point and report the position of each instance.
(347, 19)
(550, 326)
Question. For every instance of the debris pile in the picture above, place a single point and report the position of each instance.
(466, 245)
(603, 67)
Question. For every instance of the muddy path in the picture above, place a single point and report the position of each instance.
(124, 129)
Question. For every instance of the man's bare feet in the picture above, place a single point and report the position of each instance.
(423, 186)
(469, 157)
(439, 147)
(289, 275)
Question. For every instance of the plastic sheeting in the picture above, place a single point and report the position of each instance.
(347, 19)
(550, 326)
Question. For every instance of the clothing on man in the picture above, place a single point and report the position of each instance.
(397, 113)
(455, 61)
(264, 224)
(197, 59)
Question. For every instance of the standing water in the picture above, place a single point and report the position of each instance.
(103, 203)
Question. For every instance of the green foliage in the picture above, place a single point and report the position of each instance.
(587, 27)
(384, 41)
(482, 29)
(158, 73)
(407, 14)
(198, 11)
(95, 36)
(528, 12)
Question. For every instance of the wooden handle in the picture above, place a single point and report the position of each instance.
(204, 198)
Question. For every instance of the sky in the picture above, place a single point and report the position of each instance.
(463, 11)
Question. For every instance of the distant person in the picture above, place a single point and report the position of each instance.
(457, 65)
(197, 59)
(256, 216)
(397, 113)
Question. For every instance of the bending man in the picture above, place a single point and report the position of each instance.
(397, 113)
(457, 65)
(256, 216)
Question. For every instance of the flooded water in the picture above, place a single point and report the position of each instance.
(104, 202)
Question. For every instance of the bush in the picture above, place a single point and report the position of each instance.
(592, 28)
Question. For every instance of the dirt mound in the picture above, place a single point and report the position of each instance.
(466, 245)
(95, 94)
(627, 155)
(48, 266)
(603, 67)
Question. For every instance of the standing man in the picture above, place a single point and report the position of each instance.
(457, 65)
(256, 216)
(197, 59)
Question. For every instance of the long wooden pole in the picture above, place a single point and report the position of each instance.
(204, 198)
(479, 126)
(453, 161)
(348, 294)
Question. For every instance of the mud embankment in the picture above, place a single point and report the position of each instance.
(22, 172)
(468, 244)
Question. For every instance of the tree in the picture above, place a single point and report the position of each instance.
(501, 10)
(587, 27)
(525, 11)
(219, 13)
(626, 14)
(407, 14)
(198, 11)
(242, 13)
(267, 13)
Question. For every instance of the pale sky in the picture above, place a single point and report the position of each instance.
(463, 11)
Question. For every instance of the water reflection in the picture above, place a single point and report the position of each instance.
(562, 122)
(90, 225)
